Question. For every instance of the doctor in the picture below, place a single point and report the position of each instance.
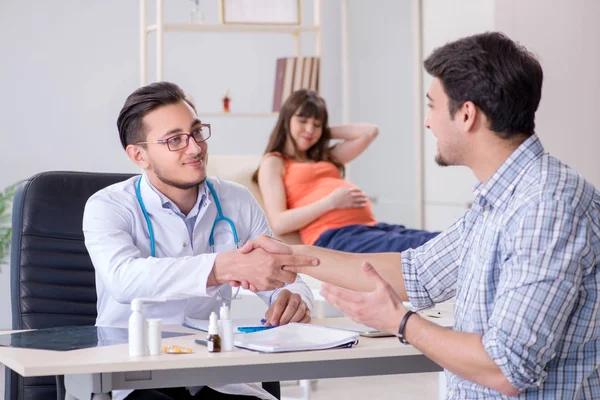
(172, 233)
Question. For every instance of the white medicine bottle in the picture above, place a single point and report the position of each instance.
(226, 328)
(138, 329)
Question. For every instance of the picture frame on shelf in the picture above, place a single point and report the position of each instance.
(264, 12)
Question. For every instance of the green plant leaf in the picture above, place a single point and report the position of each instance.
(6, 197)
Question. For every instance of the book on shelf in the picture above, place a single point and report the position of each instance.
(293, 73)
(306, 71)
(314, 76)
(279, 77)
(288, 80)
(298, 72)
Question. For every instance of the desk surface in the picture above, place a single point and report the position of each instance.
(29, 362)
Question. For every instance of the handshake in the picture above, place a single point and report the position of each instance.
(261, 264)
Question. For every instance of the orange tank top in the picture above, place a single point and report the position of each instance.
(306, 183)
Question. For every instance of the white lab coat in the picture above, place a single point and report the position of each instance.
(117, 239)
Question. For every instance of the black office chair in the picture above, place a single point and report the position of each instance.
(51, 275)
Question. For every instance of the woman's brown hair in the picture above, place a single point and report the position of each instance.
(302, 103)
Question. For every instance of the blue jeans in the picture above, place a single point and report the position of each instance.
(379, 238)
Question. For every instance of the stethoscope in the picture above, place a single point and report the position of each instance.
(211, 238)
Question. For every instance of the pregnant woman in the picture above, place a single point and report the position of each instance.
(301, 179)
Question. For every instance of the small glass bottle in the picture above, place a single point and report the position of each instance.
(226, 102)
(213, 339)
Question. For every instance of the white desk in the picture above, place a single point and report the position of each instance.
(94, 372)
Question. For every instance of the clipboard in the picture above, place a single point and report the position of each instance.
(295, 337)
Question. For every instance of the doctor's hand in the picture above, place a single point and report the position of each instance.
(288, 307)
(260, 269)
(380, 308)
(270, 245)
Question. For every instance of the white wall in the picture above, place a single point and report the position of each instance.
(64, 77)
(381, 92)
(565, 35)
(68, 65)
(448, 190)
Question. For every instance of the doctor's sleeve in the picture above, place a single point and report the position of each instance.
(126, 273)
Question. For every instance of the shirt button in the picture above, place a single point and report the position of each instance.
(450, 393)
(185, 245)
(485, 213)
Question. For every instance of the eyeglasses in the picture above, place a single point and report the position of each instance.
(182, 140)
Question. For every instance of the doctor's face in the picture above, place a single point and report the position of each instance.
(184, 168)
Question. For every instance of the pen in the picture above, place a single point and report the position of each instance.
(249, 329)
(201, 342)
(263, 321)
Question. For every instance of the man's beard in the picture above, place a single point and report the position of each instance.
(441, 161)
(180, 185)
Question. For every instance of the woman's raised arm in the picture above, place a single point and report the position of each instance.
(355, 139)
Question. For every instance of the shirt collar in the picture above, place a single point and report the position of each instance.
(166, 203)
(503, 182)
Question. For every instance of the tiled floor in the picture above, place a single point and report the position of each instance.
(408, 386)
(411, 387)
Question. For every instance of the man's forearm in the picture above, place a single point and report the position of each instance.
(344, 269)
(459, 352)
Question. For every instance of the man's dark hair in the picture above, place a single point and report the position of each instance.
(499, 76)
(141, 102)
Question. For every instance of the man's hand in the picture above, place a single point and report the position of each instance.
(260, 269)
(267, 243)
(380, 308)
(289, 307)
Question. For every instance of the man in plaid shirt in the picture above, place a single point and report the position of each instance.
(522, 262)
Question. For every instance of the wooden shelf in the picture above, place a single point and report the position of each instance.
(160, 29)
(237, 114)
(258, 28)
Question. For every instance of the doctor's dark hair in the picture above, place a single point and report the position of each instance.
(303, 103)
(140, 103)
(499, 76)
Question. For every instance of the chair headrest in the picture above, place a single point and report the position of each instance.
(52, 203)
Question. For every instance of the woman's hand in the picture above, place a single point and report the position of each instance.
(348, 197)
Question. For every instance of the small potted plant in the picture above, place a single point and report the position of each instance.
(6, 198)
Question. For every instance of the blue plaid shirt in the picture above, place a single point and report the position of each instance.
(522, 263)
